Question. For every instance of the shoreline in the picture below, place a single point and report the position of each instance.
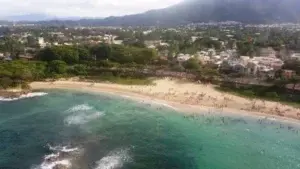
(147, 93)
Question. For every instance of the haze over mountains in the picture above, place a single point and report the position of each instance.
(193, 11)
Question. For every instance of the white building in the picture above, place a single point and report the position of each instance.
(295, 56)
(212, 52)
(244, 59)
(1, 55)
(183, 57)
(194, 38)
(264, 65)
(267, 52)
(41, 42)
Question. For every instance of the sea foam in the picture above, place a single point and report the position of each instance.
(50, 165)
(57, 158)
(64, 149)
(81, 114)
(113, 160)
(83, 118)
(81, 107)
(24, 96)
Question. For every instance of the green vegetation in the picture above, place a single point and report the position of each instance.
(107, 77)
(191, 64)
(271, 93)
(18, 72)
(64, 61)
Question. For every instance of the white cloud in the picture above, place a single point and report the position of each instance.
(84, 8)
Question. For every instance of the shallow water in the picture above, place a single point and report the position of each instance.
(86, 131)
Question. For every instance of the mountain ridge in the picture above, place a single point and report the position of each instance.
(195, 11)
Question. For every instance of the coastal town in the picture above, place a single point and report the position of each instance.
(248, 50)
(253, 61)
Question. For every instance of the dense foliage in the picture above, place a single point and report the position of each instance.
(17, 72)
(58, 61)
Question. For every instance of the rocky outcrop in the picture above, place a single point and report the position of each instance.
(13, 94)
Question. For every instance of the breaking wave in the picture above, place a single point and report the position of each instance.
(60, 158)
(24, 96)
(113, 160)
(81, 114)
(82, 118)
(81, 107)
(64, 149)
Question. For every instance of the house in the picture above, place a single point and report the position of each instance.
(68, 44)
(275, 63)
(26, 57)
(203, 59)
(216, 58)
(1, 56)
(194, 38)
(239, 67)
(252, 67)
(8, 58)
(164, 44)
(267, 52)
(152, 43)
(295, 56)
(41, 42)
(244, 59)
(118, 42)
(214, 38)
(211, 52)
(183, 57)
(224, 55)
(264, 66)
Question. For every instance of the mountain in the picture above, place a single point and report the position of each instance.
(193, 11)
(245, 11)
(28, 17)
(42, 17)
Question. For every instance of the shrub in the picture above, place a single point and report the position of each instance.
(248, 93)
(272, 95)
(6, 82)
(25, 86)
(79, 69)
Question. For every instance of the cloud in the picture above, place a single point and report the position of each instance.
(84, 8)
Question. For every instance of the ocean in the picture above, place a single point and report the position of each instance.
(59, 129)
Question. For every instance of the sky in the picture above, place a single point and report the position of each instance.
(82, 8)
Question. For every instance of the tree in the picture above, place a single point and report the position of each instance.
(191, 64)
(57, 67)
(84, 54)
(207, 43)
(245, 48)
(13, 46)
(5, 82)
(143, 56)
(47, 55)
(79, 69)
(67, 54)
(122, 55)
(31, 41)
(102, 52)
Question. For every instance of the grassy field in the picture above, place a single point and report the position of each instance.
(120, 80)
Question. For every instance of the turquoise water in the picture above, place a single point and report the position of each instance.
(85, 131)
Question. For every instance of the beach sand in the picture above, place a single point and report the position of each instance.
(186, 96)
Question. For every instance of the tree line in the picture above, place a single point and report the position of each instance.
(58, 61)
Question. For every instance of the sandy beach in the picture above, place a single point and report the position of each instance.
(185, 96)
